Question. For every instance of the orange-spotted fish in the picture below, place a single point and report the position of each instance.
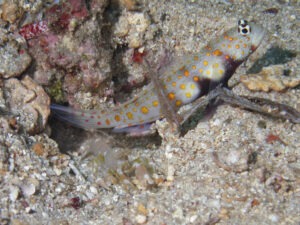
(184, 81)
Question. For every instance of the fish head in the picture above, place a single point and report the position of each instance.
(251, 31)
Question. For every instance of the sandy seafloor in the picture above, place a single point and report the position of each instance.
(255, 181)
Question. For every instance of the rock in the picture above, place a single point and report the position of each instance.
(28, 100)
(70, 43)
(29, 187)
(13, 60)
(132, 26)
(28, 190)
(130, 4)
(138, 21)
(11, 11)
(270, 78)
(14, 193)
(122, 27)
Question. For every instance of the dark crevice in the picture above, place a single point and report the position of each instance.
(273, 56)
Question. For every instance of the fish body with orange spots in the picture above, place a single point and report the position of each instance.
(183, 81)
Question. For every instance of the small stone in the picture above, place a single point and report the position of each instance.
(224, 213)
(28, 190)
(14, 193)
(94, 190)
(171, 173)
(213, 203)
(135, 40)
(193, 218)
(142, 209)
(58, 189)
(140, 219)
(293, 17)
(274, 218)
(116, 198)
(29, 187)
(57, 171)
(254, 203)
(38, 149)
(178, 213)
(168, 152)
(28, 209)
(122, 27)
(233, 157)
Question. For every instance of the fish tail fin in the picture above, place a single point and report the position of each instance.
(71, 116)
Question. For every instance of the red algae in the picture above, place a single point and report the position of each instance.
(138, 56)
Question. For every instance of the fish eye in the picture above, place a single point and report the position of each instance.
(243, 27)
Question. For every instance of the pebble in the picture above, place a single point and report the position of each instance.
(293, 17)
(94, 190)
(169, 152)
(60, 187)
(224, 213)
(233, 157)
(274, 218)
(58, 190)
(28, 209)
(178, 213)
(140, 219)
(193, 218)
(57, 171)
(170, 173)
(28, 189)
(14, 193)
(121, 28)
(213, 203)
(134, 40)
